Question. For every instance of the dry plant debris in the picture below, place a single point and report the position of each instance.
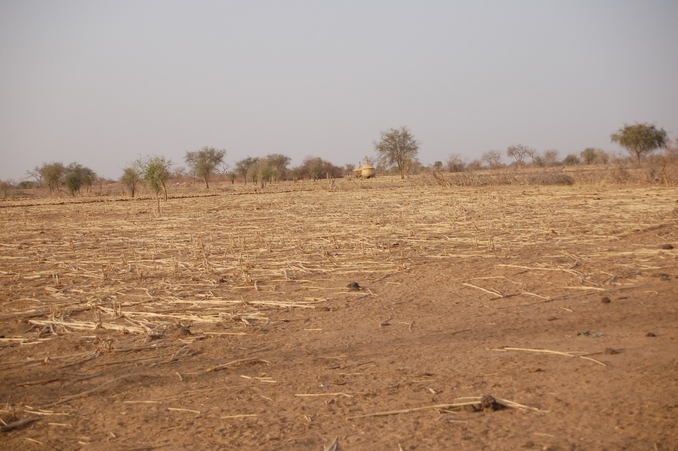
(228, 317)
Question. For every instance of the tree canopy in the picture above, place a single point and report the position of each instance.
(397, 147)
(639, 139)
(76, 176)
(243, 166)
(519, 152)
(131, 177)
(53, 175)
(204, 162)
(156, 171)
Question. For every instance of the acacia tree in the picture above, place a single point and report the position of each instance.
(551, 157)
(156, 171)
(76, 176)
(35, 173)
(639, 139)
(131, 177)
(492, 158)
(397, 147)
(243, 166)
(204, 162)
(278, 164)
(53, 175)
(519, 152)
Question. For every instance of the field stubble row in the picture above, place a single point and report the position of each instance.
(128, 269)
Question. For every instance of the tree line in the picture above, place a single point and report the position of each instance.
(396, 150)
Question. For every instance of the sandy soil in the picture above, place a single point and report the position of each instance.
(286, 320)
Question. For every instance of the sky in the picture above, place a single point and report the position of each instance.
(103, 83)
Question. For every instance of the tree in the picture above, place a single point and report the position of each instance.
(315, 168)
(455, 163)
(53, 175)
(5, 187)
(592, 155)
(397, 147)
(278, 165)
(35, 173)
(519, 152)
(243, 166)
(571, 159)
(551, 157)
(639, 139)
(156, 171)
(131, 177)
(204, 162)
(492, 158)
(232, 175)
(76, 176)
(588, 155)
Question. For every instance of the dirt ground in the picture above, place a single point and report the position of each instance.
(378, 315)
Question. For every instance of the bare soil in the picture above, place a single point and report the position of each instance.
(377, 314)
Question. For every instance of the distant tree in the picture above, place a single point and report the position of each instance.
(277, 164)
(232, 175)
(204, 162)
(538, 161)
(6, 186)
(397, 147)
(588, 155)
(602, 157)
(76, 176)
(492, 158)
(592, 155)
(551, 157)
(639, 139)
(571, 160)
(255, 170)
(520, 152)
(131, 177)
(266, 172)
(315, 168)
(243, 166)
(36, 174)
(455, 163)
(475, 165)
(295, 173)
(348, 169)
(672, 150)
(27, 184)
(156, 171)
(180, 173)
(53, 175)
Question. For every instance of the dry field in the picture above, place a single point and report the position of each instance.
(358, 314)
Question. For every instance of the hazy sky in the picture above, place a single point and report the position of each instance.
(105, 82)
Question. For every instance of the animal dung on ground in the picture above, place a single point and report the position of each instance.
(650, 334)
(667, 247)
(488, 402)
(354, 286)
(605, 300)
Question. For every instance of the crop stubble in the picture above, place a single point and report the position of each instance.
(135, 293)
